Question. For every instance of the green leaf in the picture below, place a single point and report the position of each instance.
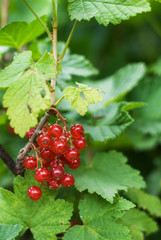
(28, 94)
(39, 216)
(138, 222)
(146, 201)
(109, 122)
(10, 74)
(122, 82)
(148, 118)
(16, 34)
(74, 64)
(80, 104)
(107, 174)
(106, 11)
(9, 232)
(98, 219)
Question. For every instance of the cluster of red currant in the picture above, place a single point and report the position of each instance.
(54, 147)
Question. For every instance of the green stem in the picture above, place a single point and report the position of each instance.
(39, 19)
(68, 42)
(59, 100)
(54, 43)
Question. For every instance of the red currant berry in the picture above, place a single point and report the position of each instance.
(29, 134)
(46, 163)
(60, 146)
(74, 164)
(57, 173)
(79, 143)
(11, 129)
(34, 193)
(30, 162)
(55, 130)
(53, 184)
(44, 140)
(46, 153)
(72, 154)
(42, 175)
(77, 131)
(57, 163)
(45, 129)
(67, 181)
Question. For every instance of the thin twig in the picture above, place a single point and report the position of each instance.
(4, 12)
(39, 19)
(6, 158)
(24, 151)
(67, 43)
(54, 43)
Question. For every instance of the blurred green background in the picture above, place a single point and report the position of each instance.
(109, 49)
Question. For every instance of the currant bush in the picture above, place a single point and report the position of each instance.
(54, 148)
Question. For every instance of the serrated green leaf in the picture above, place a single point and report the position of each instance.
(148, 118)
(10, 74)
(79, 103)
(74, 64)
(122, 82)
(98, 219)
(39, 216)
(28, 94)
(109, 122)
(106, 11)
(146, 201)
(16, 34)
(107, 175)
(139, 221)
(9, 232)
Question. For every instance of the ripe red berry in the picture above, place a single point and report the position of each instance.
(67, 181)
(42, 175)
(53, 184)
(30, 162)
(57, 173)
(77, 131)
(57, 163)
(55, 130)
(46, 163)
(34, 193)
(29, 134)
(74, 164)
(72, 154)
(44, 140)
(45, 129)
(46, 153)
(60, 146)
(79, 143)
(11, 129)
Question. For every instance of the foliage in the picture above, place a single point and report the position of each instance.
(111, 77)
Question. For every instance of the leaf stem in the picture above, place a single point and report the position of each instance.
(39, 19)
(68, 42)
(54, 43)
(59, 100)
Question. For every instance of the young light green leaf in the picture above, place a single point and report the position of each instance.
(16, 34)
(9, 232)
(40, 216)
(78, 103)
(28, 94)
(10, 74)
(106, 11)
(138, 222)
(146, 201)
(99, 218)
(111, 175)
